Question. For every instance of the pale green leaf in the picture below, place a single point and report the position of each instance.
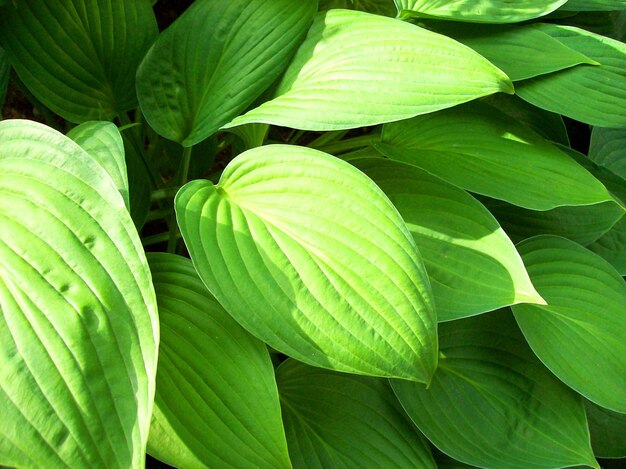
(78, 316)
(215, 60)
(608, 431)
(484, 11)
(594, 94)
(311, 257)
(379, 7)
(612, 246)
(472, 265)
(340, 421)
(594, 5)
(608, 149)
(580, 335)
(356, 69)
(104, 143)
(491, 403)
(79, 57)
(216, 402)
(482, 150)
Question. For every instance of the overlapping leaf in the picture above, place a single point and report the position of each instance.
(215, 60)
(356, 69)
(78, 319)
(485, 11)
(612, 246)
(491, 403)
(594, 5)
(216, 402)
(599, 90)
(608, 149)
(310, 256)
(608, 431)
(79, 57)
(340, 420)
(491, 154)
(379, 7)
(472, 264)
(580, 335)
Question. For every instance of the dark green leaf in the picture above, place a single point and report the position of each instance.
(608, 431)
(612, 246)
(594, 5)
(608, 149)
(5, 69)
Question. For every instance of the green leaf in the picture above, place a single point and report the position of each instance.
(104, 143)
(311, 257)
(600, 91)
(79, 57)
(580, 334)
(78, 317)
(519, 51)
(345, 421)
(5, 69)
(594, 5)
(216, 402)
(485, 11)
(608, 149)
(139, 183)
(215, 60)
(379, 7)
(608, 431)
(491, 154)
(612, 246)
(472, 265)
(356, 69)
(491, 403)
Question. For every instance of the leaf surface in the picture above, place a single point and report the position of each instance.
(491, 403)
(356, 69)
(580, 334)
(472, 265)
(79, 57)
(608, 431)
(594, 5)
(78, 318)
(311, 257)
(5, 69)
(216, 400)
(345, 421)
(612, 246)
(608, 149)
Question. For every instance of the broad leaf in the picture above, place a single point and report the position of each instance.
(310, 256)
(612, 246)
(594, 5)
(581, 332)
(491, 403)
(79, 57)
(104, 143)
(356, 69)
(472, 264)
(216, 402)
(215, 60)
(78, 319)
(345, 421)
(491, 154)
(599, 90)
(608, 149)
(608, 431)
(5, 69)
(379, 7)
(485, 11)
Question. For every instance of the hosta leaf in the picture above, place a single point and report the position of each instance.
(491, 403)
(608, 149)
(79, 57)
(345, 421)
(104, 143)
(139, 182)
(580, 334)
(5, 70)
(608, 431)
(491, 154)
(486, 11)
(215, 60)
(472, 265)
(310, 256)
(600, 90)
(216, 402)
(594, 5)
(519, 51)
(78, 319)
(379, 7)
(612, 246)
(356, 69)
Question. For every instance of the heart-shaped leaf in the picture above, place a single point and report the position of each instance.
(216, 401)
(608, 149)
(472, 264)
(356, 69)
(215, 60)
(79, 57)
(491, 403)
(485, 11)
(491, 154)
(608, 431)
(580, 334)
(311, 257)
(341, 420)
(78, 318)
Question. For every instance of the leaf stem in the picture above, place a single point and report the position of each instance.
(172, 242)
(348, 144)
